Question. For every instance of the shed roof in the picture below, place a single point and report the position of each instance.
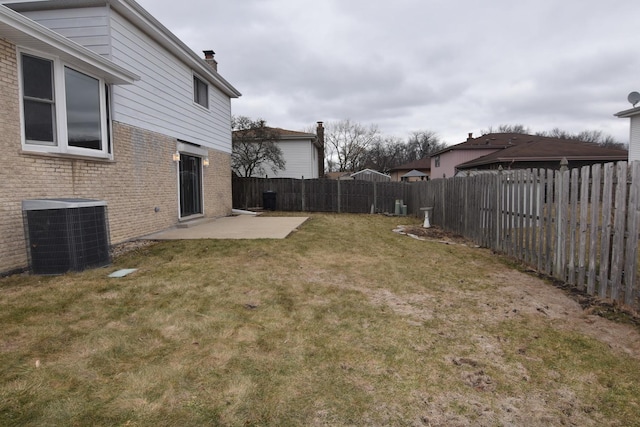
(370, 171)
(414, 174)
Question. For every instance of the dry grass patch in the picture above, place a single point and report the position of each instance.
(343, 323)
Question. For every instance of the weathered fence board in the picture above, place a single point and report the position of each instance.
(633, 220)
(620, 214)
(584, 211)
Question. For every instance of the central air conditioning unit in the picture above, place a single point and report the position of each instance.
(66, 234)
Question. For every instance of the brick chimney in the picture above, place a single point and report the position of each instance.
(208, 58)
(470, 137)
(320, 138)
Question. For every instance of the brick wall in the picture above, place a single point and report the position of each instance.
(140, 185)
(12, 247)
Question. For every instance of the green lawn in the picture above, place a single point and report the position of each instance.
(342, 323)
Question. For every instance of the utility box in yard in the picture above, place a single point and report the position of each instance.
(269, 200)
(66, 234)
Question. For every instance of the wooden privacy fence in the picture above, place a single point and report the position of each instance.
(579, 226)
(320, 195)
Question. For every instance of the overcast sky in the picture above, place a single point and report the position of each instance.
(452, 67)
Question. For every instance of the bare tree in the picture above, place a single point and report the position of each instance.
(592, 136)
(517, 128)
(254, 147)
(421, 144)
(347, 144)
(385, 153)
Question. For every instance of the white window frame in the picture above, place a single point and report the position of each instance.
(62, 144)
(204, 82)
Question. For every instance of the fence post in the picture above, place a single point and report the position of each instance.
(465, 214)
(633, 219)
(497, 245)
(375, 197)
(302, 191)
(444, 208)
(339, 196)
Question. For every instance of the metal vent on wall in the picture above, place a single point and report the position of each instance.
(66, 234)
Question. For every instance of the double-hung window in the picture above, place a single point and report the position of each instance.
(64, 110)
(200, 92)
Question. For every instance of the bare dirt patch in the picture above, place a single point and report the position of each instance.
(432, 234)
(130, 246)
(533, 294)
(527, 295)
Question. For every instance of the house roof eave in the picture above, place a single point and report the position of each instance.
(149, 25)
(628, 113)
(134, 12)
(27, 33)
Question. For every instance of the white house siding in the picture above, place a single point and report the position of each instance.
(301, 160)
(87, 26)
(162, 101)
(634, 139)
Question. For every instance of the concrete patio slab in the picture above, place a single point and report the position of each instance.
(234, 227)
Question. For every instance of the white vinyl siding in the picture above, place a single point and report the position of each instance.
(87, 26)
(162, 101)
(299, 158)
(634, 139)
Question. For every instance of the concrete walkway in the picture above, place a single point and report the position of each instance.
(234, 227)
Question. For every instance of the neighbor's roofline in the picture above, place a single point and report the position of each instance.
(27, 33)
(371, 171)
(478, 162)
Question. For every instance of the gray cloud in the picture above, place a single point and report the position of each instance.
(450, 67)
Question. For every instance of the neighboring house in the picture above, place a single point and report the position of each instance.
(546, 153)
(370, 175)
(518, 151)
(634, 131)
(406, 172)
(444, 162)
(100, 101)
(302, 152)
